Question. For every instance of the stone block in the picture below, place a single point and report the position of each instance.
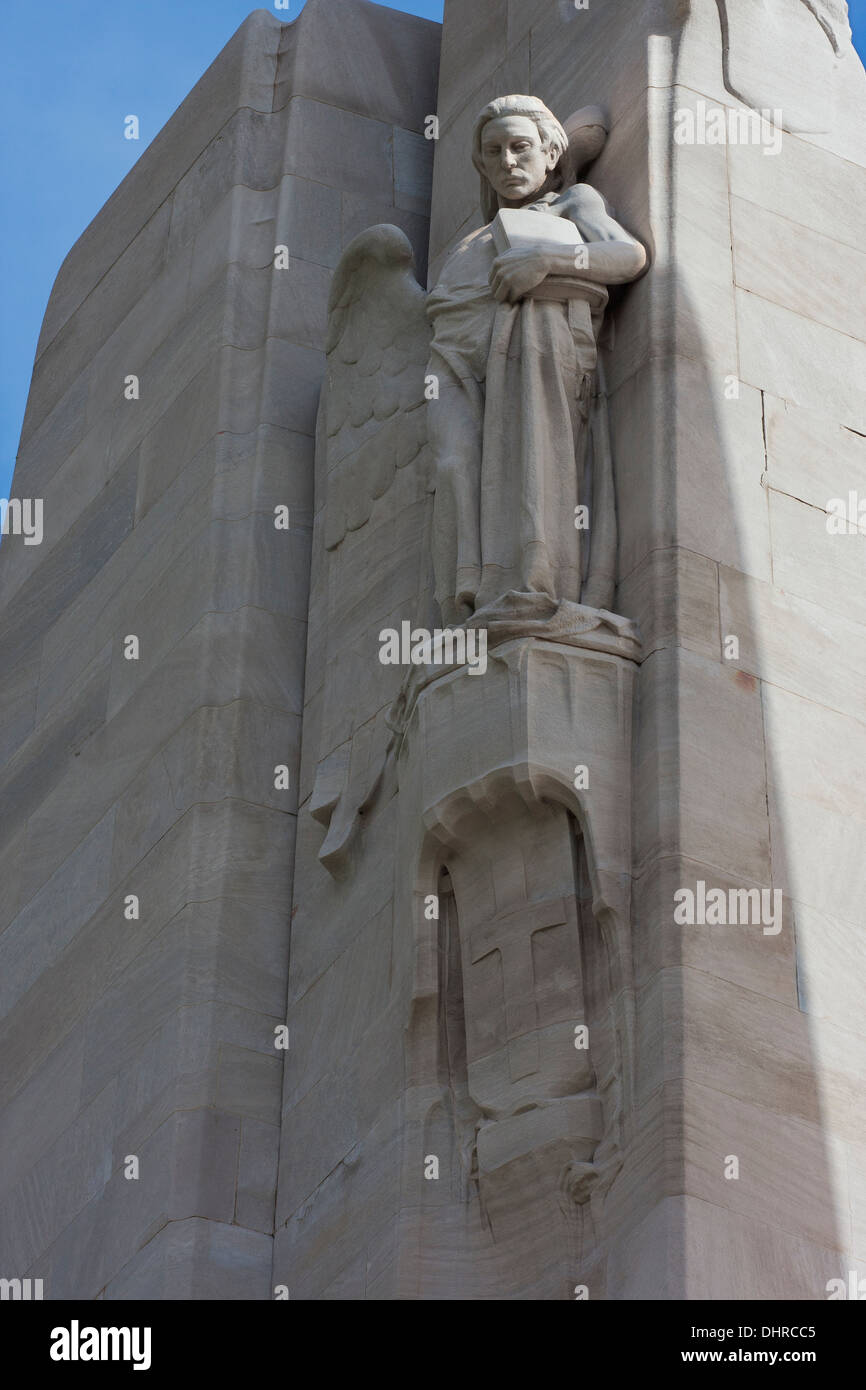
(698, 756)
(582, 57)
(836, 562)
(43, 759)
(673, 596)
(188, 1165)
(253, 388)
(174, 970)
(249, 1083)
(314, 1244)
(815, 804)
(18, 696)
(686, 304)
(801, 361)
(361, 57)
(260, 471)
(768, 1054)
(721, 510)
(227, 566)
(298, 305)
(648, 1266)
(197, 1260)
(44, 448)
(114, 294)
(239, 231)
(73, 563)
(189, 422)
(66, 495)
(63, 994)
(829, 967)
(35, 939)
(137, 291)
(811, 457)
(793, 643)
(172, 1069)
(709, 1254)
(175, 362)
(248, 295)
(307, 220)
(319, 1133)
(744, 1257)
(42, 1110)
(247, 151)
(740, 952)
(320, 898)
(257, 1175)
(10, 877)
(809, 273)
(112, 350)
(775, 184)
(229, 751)
(328, 1022)
(175, 1068)
(58, 1185)
(413, 171)
(784, 1166)
(353, 152)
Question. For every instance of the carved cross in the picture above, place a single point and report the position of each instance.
(511, 935)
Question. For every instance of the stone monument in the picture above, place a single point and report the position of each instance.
(432, 826)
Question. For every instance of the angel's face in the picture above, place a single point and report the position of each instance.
(515, 159)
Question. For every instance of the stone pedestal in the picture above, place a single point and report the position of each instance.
(514, 789)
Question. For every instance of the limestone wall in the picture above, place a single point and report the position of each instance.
(154, 1037)
(735, 375)
(737, 411)
(735, 370)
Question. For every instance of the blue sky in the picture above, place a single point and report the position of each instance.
(71, 75)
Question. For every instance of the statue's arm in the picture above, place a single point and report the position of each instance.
(611, 256)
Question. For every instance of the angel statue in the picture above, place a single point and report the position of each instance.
(516, 316)
(514, 436)
(489, 394)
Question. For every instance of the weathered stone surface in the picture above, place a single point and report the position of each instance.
(799, 360)
(461, 898)
(197, 1259)
(811, 457)
(774, 257)
(147, 826)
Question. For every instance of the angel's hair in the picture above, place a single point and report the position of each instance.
(552, 137)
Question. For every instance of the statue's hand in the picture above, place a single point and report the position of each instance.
(515, 273)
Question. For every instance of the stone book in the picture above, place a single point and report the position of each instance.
(522, 229)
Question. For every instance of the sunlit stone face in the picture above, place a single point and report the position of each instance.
(515, 160)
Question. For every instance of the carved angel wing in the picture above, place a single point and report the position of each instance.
(372, 414)
(372, 423)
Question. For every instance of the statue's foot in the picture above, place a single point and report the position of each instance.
(517, 614)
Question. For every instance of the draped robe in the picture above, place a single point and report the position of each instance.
(510, 437)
